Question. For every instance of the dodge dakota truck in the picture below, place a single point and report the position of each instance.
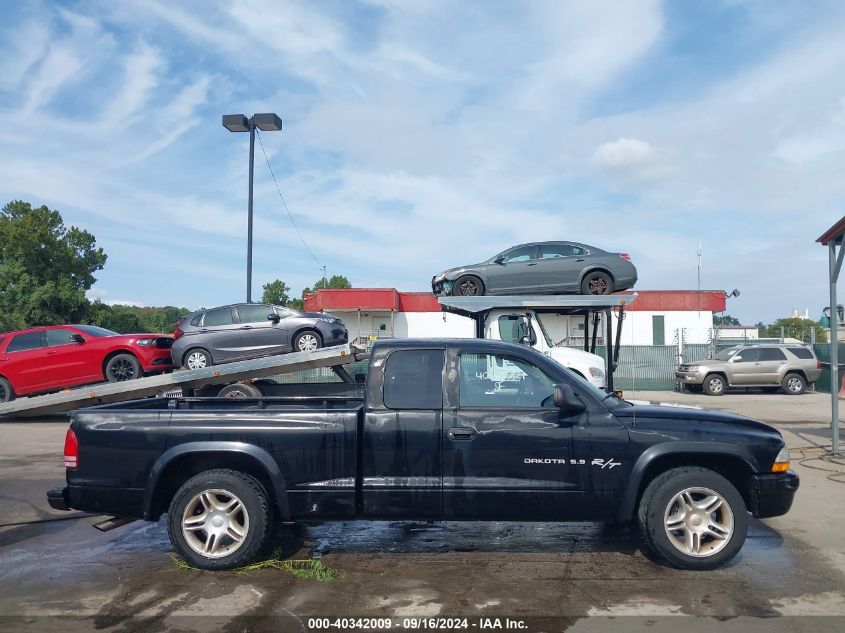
(442, 430)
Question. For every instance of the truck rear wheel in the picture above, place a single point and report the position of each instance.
(219, 519)
(693, 518)
(239, 390)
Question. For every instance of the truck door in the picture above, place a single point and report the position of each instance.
(507, 454)
(401, 459)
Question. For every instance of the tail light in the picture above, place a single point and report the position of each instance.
(818, 365)
(71, 450)
(177, 333)
(625, 256)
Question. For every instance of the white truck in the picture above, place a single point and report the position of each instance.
(526, 327)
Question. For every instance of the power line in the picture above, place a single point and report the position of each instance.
(282, 198)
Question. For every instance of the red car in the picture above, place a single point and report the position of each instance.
(55, 357)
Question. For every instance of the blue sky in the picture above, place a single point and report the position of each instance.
(423, 135)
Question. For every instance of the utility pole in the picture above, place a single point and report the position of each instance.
(325, 282)
(699, 278)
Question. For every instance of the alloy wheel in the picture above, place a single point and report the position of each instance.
(794, 384)
(215, 523)
(308, 343)
(197, 360)
(468, 288)
(122, 369)
(698, 522)
(716, 385)
(598, 286)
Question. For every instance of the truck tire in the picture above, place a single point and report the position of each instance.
(714, 385)
(123, 367)
(597, 283)
(693, 518)
(219, 519)
(7, 394)
(794, 384)
(239, 390)
(468, 286)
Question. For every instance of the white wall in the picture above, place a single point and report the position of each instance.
(636, 329)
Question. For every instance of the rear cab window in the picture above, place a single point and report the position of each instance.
(28, 341)
(413, 379)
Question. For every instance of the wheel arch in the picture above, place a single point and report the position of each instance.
(306, 328)
(728, 460)
(178, 464)
(596, 268)
(717, 372)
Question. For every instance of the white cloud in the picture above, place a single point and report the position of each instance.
(629, 159)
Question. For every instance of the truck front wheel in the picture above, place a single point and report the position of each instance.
(693, 517)
(219, 519)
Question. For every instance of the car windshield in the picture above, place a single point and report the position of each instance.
(725, 354)
(94, 330)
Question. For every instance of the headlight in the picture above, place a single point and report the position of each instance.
(595, 372)
(146, 341)
(692, 367)
(781, 464)
(440, 276)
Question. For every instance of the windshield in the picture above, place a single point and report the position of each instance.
(725, 354)
(94, 330)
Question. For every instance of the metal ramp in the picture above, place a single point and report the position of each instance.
(588, 306)
(105, 393)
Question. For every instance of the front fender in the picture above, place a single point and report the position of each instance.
(264, 459)
(659, 451)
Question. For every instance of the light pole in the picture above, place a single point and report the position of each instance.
(266, 122)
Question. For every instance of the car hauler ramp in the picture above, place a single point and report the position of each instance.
(105, 393)
(588, 306)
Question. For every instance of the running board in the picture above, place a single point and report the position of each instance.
(112, 523)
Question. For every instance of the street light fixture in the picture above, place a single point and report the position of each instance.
(266, 122)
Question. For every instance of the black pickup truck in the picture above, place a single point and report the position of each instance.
(442, 430)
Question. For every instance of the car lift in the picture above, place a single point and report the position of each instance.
(589, 306)
(105, 393)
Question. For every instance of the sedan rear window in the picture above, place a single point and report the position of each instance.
(801, 352)
(23, 342)
(550, 251)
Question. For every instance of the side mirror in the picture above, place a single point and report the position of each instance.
(567, 401)
(77, 338)
(735, 358)
(499, 260)
(275, 318)
(525, 340)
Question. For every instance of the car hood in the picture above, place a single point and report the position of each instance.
(317, 315)
(560, 354)
(452, 273)
(643, 411)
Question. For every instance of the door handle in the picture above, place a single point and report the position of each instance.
(50, 353)
(461, 433)
(580, 259)
(532, 264)
(246, 327)
(204, 330)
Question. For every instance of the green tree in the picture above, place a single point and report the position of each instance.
(128, 319)
(793, 327)
(276, 292)
(45, 267)
(725, 319)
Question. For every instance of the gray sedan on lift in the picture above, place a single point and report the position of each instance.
(541, 268)
(251, 330)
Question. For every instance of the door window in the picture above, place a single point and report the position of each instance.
(413, 379)
(220, 316)
(494, 380)
(512, 328)
(751, 355)
(254, 312)
(771, 353)
(550, 251)
(23, 342)
(59, 337)
(522, 254)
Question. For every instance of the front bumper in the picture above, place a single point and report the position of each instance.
(772, 493)
(441, 288)
(689, 377)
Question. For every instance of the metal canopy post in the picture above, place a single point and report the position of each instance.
(608, 350)
(832, 238)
